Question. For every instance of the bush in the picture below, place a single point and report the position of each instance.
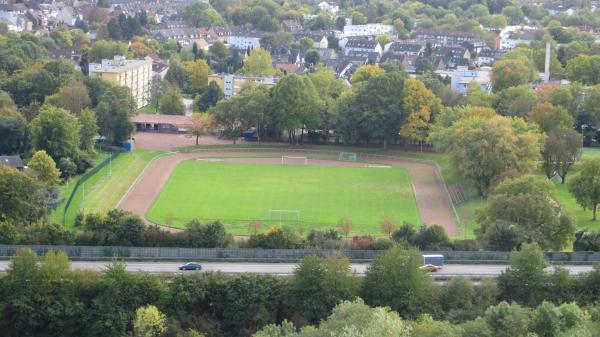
(275, 238)
(210, 235)
(586, 241)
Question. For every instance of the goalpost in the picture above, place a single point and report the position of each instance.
(294, 160)
(348, 156)
(282, 215)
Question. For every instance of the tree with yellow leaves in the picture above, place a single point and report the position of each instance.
(364, 73)
(420, 104)
(196, 76)
(202, 124)
(258, 63)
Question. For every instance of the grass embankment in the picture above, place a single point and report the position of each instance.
(103, 190)
(239, 193)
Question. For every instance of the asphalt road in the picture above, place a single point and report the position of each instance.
(288, 268)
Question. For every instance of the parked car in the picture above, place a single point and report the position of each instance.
(191, 266)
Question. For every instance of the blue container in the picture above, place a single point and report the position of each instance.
(128, 146)
(249, 136)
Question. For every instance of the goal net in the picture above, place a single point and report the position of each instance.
(348, 156)
(294, 160)
(284, 216)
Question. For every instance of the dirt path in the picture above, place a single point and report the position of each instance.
(430, 192)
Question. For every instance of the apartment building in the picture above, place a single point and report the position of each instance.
(233, 84)
(133, 74)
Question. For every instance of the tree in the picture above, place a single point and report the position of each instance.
(89, 130)
(364, 73)
(44, 168)
(202, 124)
(561, 151)
(421, 105)
(73, 97)
(106, 50)
(171, 103)
(177, 74)
(585, 184)
(524, 280)
(507, 320)
(295, 104)
(484, 147)
(388, 225)
(345, 226)
(515, 101)
(149, 322)
(394, 279)
(196, 75)
(528, 202)
(157, 90)
(549, 117)
(114, 110)
(56, 131)
(231, 117)
(312, 57)
(476, 96)
(319, 284)
(21, 197)
(432, 237)
(510, 72)
(258, 63)
(210, 235)
(210, 97)
(13, 127)
(584, 69)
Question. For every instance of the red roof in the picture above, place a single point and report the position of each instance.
(162, 119)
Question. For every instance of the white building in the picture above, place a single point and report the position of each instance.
(133, 74)
(370, 29)
(329, 8)
(244, 40)
(511, 36)
(462, 76)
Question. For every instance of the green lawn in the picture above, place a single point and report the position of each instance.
(103, 190)
(239, 193)
(148, 110)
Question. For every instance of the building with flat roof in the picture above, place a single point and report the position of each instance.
(133, 74)
(233, 84)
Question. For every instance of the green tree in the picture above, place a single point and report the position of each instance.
(511, 72)
(585, 184)
(104, 49)
(515, 101)
(528, 202)
(476, 96)
(114, 111)
(364, 73)
(210, 235)
(312, 57)
(89, 130)
(210, 97)
(394, 279)
(295, 104)
(561, 151)
(149, 322)
(319, 284)
(22, 198)
(258, 63)
(176, 74)
(157, 90)
(13, 127)
(73, 97)
(44, 168)
(196, 76)
(507, 320)
(549, 117)
(484, 147)
(56, 131)
(171, 102)
(458, 299)
(524, 280)
(584, 69)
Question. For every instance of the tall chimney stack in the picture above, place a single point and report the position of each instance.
(547, 63)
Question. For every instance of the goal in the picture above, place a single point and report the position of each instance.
(284, 216)
(294, 160)
(348, 156)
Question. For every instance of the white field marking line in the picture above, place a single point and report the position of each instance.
(378, 166)
(139, 177)
(212, 160)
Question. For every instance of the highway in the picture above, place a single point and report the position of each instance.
(468, 270)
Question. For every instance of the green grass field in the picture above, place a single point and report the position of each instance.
(102, 191)
(239, 193)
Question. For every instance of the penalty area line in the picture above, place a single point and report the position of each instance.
(378, 166)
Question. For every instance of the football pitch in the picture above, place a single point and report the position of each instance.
(311, 196)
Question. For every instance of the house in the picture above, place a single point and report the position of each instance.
(553, 8)
(161, 123)
(233, 84)
(509, 39)
(320, 38)
(15, 8)
(462, 77)
(444, 37)
(12, 161)
(245, 39)
(67, 16)
(363, 46)
(15, 22)
(398, 48)
(487, 57)
(450, 51)
(329, 8)
(366, 57)
(371, 29)
(291, 26)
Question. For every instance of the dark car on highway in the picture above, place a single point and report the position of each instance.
(191, 266)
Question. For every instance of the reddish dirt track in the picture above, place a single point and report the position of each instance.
(432, 199)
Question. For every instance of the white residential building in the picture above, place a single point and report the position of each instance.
(462, 76)
(370, 29)
(329, 8)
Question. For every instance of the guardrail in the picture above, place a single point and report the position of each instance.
(275, 255)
